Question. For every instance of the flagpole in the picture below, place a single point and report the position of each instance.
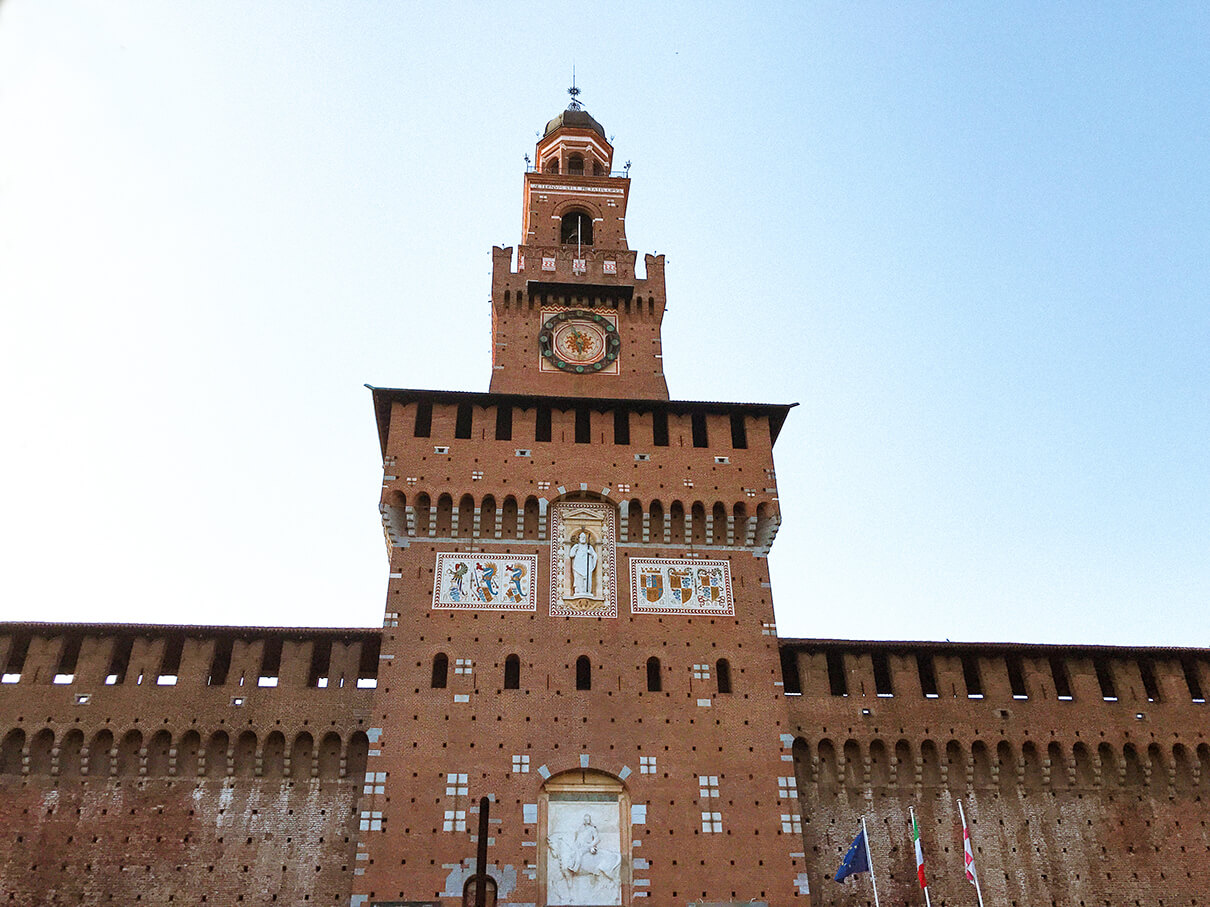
(965, 833)
(916, 828)
(870, 861)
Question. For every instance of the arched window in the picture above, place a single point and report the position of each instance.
(723, 673)
(576, 228)
(575, 164)
(441, 668)
(654, 681)
(552, 166)
(583, 673)
(512, 673)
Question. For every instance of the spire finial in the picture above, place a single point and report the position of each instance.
(573, 91)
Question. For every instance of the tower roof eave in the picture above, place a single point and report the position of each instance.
(384, 396)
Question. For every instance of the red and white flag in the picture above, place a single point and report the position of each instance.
(968, 855)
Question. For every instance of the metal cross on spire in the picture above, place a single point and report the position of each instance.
(574, 92)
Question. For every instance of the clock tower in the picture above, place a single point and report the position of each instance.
(579, 622)
(571, 315)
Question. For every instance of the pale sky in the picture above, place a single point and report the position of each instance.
(971, 240)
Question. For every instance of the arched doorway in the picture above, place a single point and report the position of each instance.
(585, 839)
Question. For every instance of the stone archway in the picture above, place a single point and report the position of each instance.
(584, 837)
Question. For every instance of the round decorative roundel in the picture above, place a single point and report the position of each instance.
(579, 342)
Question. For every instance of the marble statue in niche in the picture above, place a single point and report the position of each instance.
(583, 581)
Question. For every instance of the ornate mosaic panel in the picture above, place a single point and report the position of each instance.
(583, 573)
(668, 586)
(476, 583)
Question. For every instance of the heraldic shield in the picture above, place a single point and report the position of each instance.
(681, 582)
(653, 585)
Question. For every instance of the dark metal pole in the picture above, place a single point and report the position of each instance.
(481, 855)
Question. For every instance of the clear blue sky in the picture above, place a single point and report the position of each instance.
(970, 239)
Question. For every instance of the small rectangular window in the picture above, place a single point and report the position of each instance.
(424, 420)
(697, 422)
(659, 428)
(1058, 672)
(462, 420)
(621, 426)
(1016, 677)
(583, 425)
(882, 674)
(739, 432)
(928, 675)
(838, 681)
(542, 424)
(504, 422)
(970, 675)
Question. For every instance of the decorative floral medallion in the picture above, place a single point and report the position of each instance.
(579, 341)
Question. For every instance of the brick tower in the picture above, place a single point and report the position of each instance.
(579, 623)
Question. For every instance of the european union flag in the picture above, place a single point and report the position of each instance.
(856, 860)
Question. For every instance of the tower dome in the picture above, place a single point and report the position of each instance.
(575, 118)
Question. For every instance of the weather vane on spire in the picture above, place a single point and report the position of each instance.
(574, 92)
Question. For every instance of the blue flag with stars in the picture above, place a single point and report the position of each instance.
(856, 860)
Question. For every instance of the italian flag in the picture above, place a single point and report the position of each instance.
(919, 852)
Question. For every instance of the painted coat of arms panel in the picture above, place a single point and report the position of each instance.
(669, 586)
(477, 583)
(583, 574)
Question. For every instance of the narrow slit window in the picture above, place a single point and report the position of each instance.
(367, 665)
(170, 664)
(424, 420)
(321, 664)
(791, 682)
(971, 677)
(504, 422)
(928, 676)
(542, 424)
(659, 428)
(462, 421)
(1016, 677)
(1150, 686)
(882, 675)
(621, 426)
(838, 681)
(583, 425)
(17, 653)
(697, 423)
(69, 655)
(1058, 672)
(270, 663)
(583, 673)
(220, 663)
(1104, 673)
(739, 432)
(1192, 680)
(119, 660)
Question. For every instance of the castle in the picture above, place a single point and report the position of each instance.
(579, 627)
